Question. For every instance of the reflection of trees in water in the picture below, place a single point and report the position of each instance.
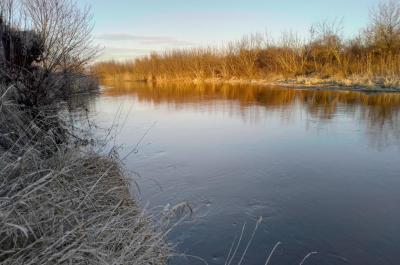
(383, 125)
(379, 111)
(78, 111)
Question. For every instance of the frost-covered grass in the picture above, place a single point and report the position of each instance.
(62, 205)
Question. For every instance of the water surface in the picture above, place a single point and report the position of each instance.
(321, 167)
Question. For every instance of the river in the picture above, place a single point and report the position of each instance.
(322, 168)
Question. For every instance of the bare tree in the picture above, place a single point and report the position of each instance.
(383, 32)
(326, 43)
(7, 8)
(65, 30)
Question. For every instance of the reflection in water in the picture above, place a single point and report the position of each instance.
(379, 111)
(302, 159)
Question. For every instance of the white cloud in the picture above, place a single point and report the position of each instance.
(143, 40)
(119, 53)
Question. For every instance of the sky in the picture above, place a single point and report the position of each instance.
(127, 29)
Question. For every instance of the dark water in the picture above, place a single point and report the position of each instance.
(321, 167)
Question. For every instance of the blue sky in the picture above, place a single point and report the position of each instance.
(131, 28)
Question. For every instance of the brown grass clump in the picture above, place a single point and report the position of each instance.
(61, 205)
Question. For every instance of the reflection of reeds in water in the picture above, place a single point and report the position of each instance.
(377, 108)
(379, 111)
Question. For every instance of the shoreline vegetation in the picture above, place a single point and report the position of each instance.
(362, 84)
(368, 61)
(61, 200)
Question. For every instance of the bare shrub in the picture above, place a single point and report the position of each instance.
(383, 32)
(292, 54)
(66, 31)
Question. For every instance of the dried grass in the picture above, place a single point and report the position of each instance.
(61, 205)
(324, 55)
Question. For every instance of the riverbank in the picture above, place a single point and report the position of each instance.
(377, 84)
(62, 202)
(353, 83)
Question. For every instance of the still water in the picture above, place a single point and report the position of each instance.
(321, 167)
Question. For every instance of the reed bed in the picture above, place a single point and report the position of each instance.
(309, 65)
(371, 58)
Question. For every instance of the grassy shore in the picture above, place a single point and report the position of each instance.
(352, 83)
(63, 204)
